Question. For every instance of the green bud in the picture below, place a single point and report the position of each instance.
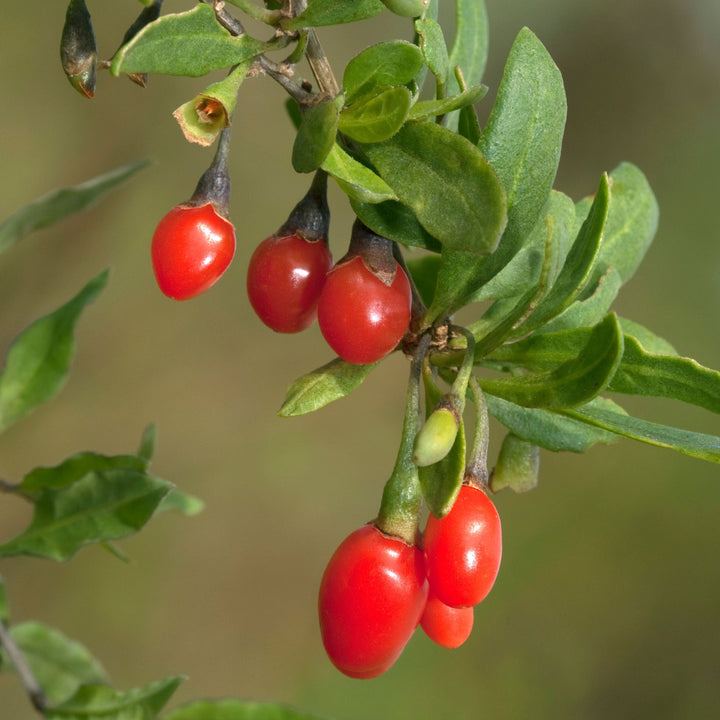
(78, 50)
(407, 8)
(517, 466)
(436, 437)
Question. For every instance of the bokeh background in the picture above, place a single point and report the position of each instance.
(608, 600)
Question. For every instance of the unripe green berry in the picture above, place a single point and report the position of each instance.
(436, 437)
(517, 465)
(407, 8)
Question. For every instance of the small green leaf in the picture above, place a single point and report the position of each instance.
(445, 180)
(355, 179)
(376, 116)
(432, 108)
(190, 43)
(235, 710)
(333, 12)
(181, 502)
(433, 48)
(147, 444)
(698, 445)
(424, 271)
(395, 62)
(59, 204)
(315, 137)
(549, 429)
(38, 361)
(467, 122)
(100, 702)
(396, 221)
(469, 51)
(100, 506)
(322, 386)
(575, 382)
(517, 465)
(60, 665)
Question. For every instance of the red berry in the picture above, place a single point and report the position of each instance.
(284, 279)
(361, 317)
(463, 549)
(371, 598)
(191, 248)
(445, 625)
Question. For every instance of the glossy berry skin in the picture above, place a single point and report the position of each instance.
(371, 598)
(191, 248)
(284, 279)
(360, 317)
(463, 549)
(445, 625)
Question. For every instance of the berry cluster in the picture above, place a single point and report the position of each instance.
(377, 588)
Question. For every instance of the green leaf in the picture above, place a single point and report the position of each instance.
(433, 48)
(445, 180)
(147, 444)
(38, 361)
(59, 204)
(235, 710)
(315, 137)
(100, 506)
(60, 665)
(424, 271)
(432, 108)
(698, 445)
(523, 136)
(181, 502)
(469, 50)
(395, 62)
(575, 382)
(320, 387)
(376, 116)
(468, 124)
(631, 222)
(99, 702)
(190, 43)
(396, 221)
(648, 339)
(356, 180)
(333, 12)
(549, 429)
(4, 605)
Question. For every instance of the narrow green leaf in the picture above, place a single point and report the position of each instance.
(59, 204)
(432, 108)
(648, 339)
(38, 361)
(147, 444)
(573, 383)
(469, 49)
(190, 43)
(320, 387)
(395, 62)
(445, 180)
(376, 116)
(433, 48)
(424, 271)
(181, 502)
(356, 180)
(396, 221)
(59, 664)
(334, 12)
(698, 445)
(523, 136)
(235, 710)
(315, 137)
(100, 506)
(549, 429)
(100, 702)
(467, 122)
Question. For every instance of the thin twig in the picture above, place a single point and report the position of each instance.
(32, 687)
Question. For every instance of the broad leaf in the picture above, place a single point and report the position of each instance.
(100, 506)
(315, 137)
(395, 62)
(322, 386)
(59, 204)
(376, 116)
(38, 361)
(426, 109)
(334, 12)
(190, 43)
(100, 702)
(575, 382)
(235, 710)
(356, 180)
(59, 664)
(451, 188)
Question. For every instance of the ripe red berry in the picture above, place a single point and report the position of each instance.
(284, 279)
(191, 248)
(360, 317)
(463, 549)
(371, 598)
(445, 625)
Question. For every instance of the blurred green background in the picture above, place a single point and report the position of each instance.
(608, 600)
